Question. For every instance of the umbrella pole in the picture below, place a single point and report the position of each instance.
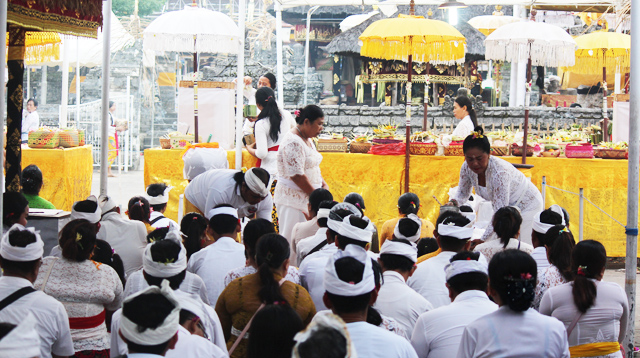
(527, 101)
(426, 99)
(195, 92)
(408, 127)
(605, 114)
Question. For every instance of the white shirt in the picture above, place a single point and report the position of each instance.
(217, 186)
(605, 321)
(399, 301)
(164, 222)
(127, 237)
(31, 122)
(312, 273)
(214, 261)
(429, 279)
(464, 128)
(193, 346)
(540, 255)
(192, 283)
(262, 127)
(305, 245)
(506, 333)
(292, 274)
(493, 246)
(437, 333)
(374, 342)
(52, 320)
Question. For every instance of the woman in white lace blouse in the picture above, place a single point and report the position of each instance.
(298, 165)
(498, 181)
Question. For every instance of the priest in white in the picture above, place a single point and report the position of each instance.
(437, 333)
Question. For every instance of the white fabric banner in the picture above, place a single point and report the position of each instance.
(215, 114)
(620, 122)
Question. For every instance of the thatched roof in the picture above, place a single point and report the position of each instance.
(330, 14)
(347, 43)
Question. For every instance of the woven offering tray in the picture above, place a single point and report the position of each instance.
(500, 151)
(420, 148)
(360, 147)
(333, 145)
(609, 153)
(516, 150)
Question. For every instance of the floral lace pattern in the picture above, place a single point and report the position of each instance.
(551, 277)
(491, 247)
(292, 274)
(295, 157)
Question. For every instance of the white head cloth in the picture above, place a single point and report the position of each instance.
(416, 236)
(199, 160)
(470, 216)
(164, 269)
(160, 199)
(391, 247)
(370, 227)
(164, 332)
(255, 184)
(323, 213)
(334, 285)
(334, 221)
(31, 252)
(320, 322)
(22, 341)
(93, 218)
(224, 210)
(354, 232)
(451, 230)
(539, 226)
(464, 266)
(106, 203)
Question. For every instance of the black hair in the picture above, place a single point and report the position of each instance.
(343, 241)
(466, 209)
(373, 316)
(77, 240)
(186, 315)
(506, 224)
(397, 262)
(310, 112)
(326, 204)
(253, 231)
(13, 206)
(35, 101)
(103, 253)
(272, 331)
(5, 328)
(588, 259)
(324, 343)
(139, 209)
(409, 203)
(272, 251)
(338, 214)
(157, 234)
(111, 103)
(147, 311)
(513, 275)
(560, 244)
(547, 217)
(427, 245)
(157, 189)
(262, 174)
(20, 238)
(223, 224)
(272, 79)
(408, 227)
(31, 180)
(267, 100)
(463, 101)
(356, 200)
(449, 243)
(318, 196)
(165, 251)
(481, 142)
(86, 206)
(349, 269)
(193, 226)
(470, 280)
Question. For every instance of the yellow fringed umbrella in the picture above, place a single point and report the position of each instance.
(411, 38)
(40, 47)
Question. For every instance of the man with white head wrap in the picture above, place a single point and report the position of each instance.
(158, 197)
(310, 245)
(429, 278)
(438, 332)
(395, 298)
(127, 237)
(21, 341)
(247, 192)
(199, 160)
(21, 253)
(350, 288)
(85, 209)
(306, 229)
(542, 222)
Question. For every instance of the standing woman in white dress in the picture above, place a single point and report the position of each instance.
(497, 181)
(298, 164)
(269, 130)
(463, 110)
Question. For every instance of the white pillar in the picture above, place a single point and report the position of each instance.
(64, 100)
(279, 66)
(239, 89)
(513, 92)
(618, 84)
(78, 80)
(43, 86)
(106, 66)
(521, 83)
(306, 54)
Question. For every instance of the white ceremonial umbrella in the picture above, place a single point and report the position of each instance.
(536, 43)
(194, 30)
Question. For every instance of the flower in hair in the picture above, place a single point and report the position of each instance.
(477, 135)
(78, 237)
(169, 261)
(282, 303)
(296, 112)
(582, 270)
(565, 229)
(244, 169)
(526, 276)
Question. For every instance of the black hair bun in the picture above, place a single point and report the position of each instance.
(478, 129)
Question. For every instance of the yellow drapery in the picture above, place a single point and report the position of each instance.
(594, 349)
(379, 179)
(66, 173)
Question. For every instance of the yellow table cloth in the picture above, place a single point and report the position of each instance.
(66, 173)
(379, 179)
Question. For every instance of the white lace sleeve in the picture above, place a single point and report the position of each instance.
(464, 185)
(550, 278)
(293, 159)
(501, 187)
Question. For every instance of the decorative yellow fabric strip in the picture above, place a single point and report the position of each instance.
(594, 349)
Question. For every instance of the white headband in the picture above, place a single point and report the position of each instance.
(93, 218)
(450, 229)
(325, 321)
(164, 269)
(191, 303)
(223, 210)
(160, 199)
(255, 184)
(159, 335)
(415, 237)
(334, 285)
(323, 213)
(391, 247)
(106, 203)
(22, 341)
(353, 232)
(456, 268)
(540, 227)
(31, 252)
(470, 216)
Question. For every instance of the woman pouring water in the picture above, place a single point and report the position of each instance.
(497, 181)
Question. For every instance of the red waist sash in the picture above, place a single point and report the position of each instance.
(86, 322)
(272, 149)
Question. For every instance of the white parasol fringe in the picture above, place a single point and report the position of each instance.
(185, 43)
(551, 54)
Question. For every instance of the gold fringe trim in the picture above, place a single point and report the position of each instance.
(435, 50)
(611, 59)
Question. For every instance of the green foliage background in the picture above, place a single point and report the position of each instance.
(145, 7)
